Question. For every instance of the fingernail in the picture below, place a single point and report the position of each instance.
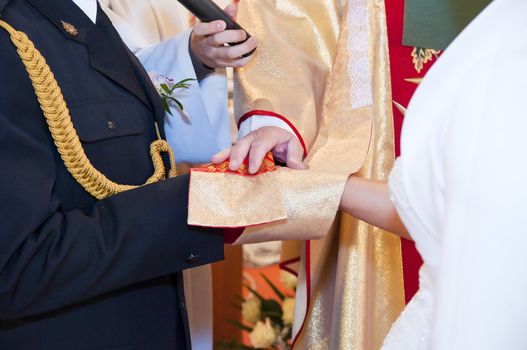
(221, 25)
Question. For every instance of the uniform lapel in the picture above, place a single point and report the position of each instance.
(59, 11)
(140, 74)
(151, 92)
(3, 4)
(107, 53)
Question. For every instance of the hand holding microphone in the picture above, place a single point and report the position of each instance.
(218, 41)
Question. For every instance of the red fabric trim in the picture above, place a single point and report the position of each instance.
(235, 227)
(268, 165)
(230, 172)
(231, 235)
(284, 265)
(275, 115)
(308, 290)
(402, 92)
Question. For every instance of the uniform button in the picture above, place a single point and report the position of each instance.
(111, 125)
(192, 259)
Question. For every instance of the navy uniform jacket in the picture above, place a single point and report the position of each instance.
(76, 273)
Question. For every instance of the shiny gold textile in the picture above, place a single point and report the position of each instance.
(308, 68)
(209, 192)
(297, 45)
(356, 272)
(297, 48)
(214, 207)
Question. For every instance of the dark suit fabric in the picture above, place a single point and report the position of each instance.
(77, 273)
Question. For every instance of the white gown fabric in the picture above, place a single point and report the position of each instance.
(460, 188)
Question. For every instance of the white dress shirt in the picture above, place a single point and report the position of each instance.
(89, 7)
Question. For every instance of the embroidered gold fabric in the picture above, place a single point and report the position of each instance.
(297, 47)
(306, 70)
(210, 202)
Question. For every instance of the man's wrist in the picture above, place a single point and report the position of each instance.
(259, 121)
(202, 70)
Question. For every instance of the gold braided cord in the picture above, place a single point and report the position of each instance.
(63, 132)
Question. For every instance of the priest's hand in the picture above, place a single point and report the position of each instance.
(209, 40)
(284, 145)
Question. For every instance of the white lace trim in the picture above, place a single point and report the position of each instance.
(359, 66)
(413, 328)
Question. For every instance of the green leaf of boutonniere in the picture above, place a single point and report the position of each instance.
(165, 106)
(166, 93)
(179, 104)
(166, 89)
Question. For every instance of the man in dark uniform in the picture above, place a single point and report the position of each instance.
(76, 272)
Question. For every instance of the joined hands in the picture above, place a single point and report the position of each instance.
(285, 147)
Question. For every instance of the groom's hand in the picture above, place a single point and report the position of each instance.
(208, 42)
(285, 146)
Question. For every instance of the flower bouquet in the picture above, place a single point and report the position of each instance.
(269, 322)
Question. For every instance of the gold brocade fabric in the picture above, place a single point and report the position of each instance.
(298, 55)
(324, 66)
(357, 285)
(297, 42)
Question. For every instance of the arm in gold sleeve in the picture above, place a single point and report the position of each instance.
(313, 67)
(297, 43)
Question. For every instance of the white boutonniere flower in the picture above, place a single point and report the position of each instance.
(166, 88)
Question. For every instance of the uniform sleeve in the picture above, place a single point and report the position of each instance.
(482, 282)
(50, 257)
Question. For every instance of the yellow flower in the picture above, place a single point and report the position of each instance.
(288, 279)
(251, 309)
(263, 335)
(288, 308)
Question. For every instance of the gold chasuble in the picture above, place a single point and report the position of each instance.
(323, 68)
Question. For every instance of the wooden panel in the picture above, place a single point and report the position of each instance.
(227, 283)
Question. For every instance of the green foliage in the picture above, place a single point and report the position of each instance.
(167, 92)
(259, 296)
(269, 309)
(239, 325)
(276, 291)
(273, 310)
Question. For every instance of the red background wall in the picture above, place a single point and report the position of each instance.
(402, 67)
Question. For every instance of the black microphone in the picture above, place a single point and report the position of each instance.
(207, 11)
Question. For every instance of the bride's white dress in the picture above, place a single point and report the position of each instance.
(460, 187)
